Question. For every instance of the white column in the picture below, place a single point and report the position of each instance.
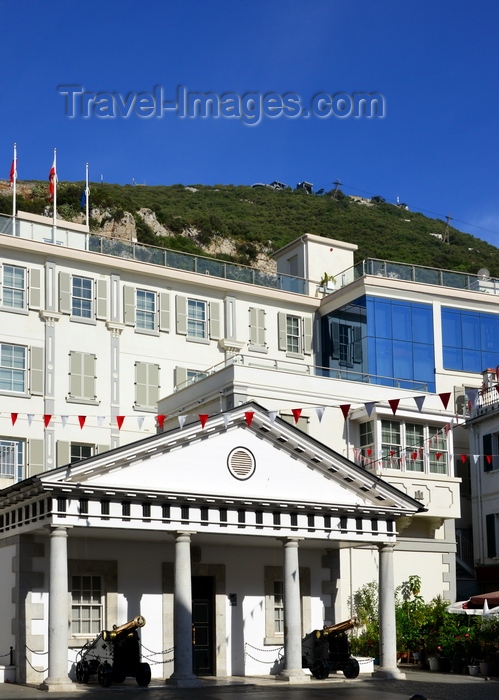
(182, 676)
(292, 670)
(58, 679)
(387, 625)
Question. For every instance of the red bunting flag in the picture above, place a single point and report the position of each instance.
(13, 417)
(249, 417)
(438, 455)
(345, 408)
(414, 456)
(203, 417)
(445, 398)
(447, 428)
(296, 413)
(489, 459)
(463, 459)
(119, 421)
(161, 417)
(81, 421)
(394, 404)
(46, 419)
(369, 451)
(392, 452)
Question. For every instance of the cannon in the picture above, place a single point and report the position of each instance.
(328, 649)
(113, 656)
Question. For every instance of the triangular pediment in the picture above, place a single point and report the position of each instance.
(265, 462)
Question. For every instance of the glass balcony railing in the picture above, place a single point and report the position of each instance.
(418, 273)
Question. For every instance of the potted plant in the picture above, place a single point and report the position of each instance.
(327, 283)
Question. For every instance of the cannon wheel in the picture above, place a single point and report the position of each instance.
(320, 669)
(82, 672)
(352, 669)
(105, 675)
(143, 676)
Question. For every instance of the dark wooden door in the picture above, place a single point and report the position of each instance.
(203, 632)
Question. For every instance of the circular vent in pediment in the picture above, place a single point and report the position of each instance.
(241, 463)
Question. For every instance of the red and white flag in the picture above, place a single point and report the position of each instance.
(52, 179)
(13, 172)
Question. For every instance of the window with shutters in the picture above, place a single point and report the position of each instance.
(257, 330)
(295, 334)
(14, 287)
(146, 385)
(145, 318)
(12, 458)
(82, 377)
(13, 368)
(82, 297)
(197, 319)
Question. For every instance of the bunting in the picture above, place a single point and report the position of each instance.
(249, 417)
(161, 417)
(394, 404)
(296, 414)
(119, 421)
(181, 421)
(203, 417)
(345, 408)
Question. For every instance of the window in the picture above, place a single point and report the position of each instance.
(438, 450)
(293, 335)
(146, 385)
(82, 376)
(80, 451)
(414, 439)
(13, 368)
(278, 607)
(14, 287)
(196, 319)
(82, 297)
(470, 340)
(87, 616)
(11, 458)
(366, 431)
(390, 444)
(146, 310)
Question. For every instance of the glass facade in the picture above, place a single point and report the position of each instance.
(470, 340)
(383, 341)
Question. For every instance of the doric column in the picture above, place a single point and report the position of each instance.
(292, 670)
(182, 676)
(387, 625)
(58, 679)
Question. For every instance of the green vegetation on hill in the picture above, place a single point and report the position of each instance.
(257, 218)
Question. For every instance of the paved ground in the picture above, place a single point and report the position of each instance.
(433, 686)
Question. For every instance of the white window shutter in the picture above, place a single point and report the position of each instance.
(164, 311)
(307, 335)
(129, 305)
(101, 305)
(215, 320)
(36, 457)
(180, 376)
(181, 309)
(282, 330)
(36, 371)
(35, 291)
(64, 293)
(63, 453)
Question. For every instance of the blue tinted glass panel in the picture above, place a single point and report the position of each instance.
(470, 327)
(383, 319)
(451, 328)
(402, 360)
(422, 324)
(489, 359)
(401, 321)
(489, 333)
(384, 357)
(424, 362)
(453, 358)
(472, 360)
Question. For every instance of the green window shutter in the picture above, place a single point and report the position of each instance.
(490, 525)
(257, 327)
(101, 305)
(63, 453)
(307, 335)
(129, 305)
(89, 376)
(282, 330)
(215, 320)
(181, 309)
(153, 385)
(35, 291)
(64, 293)
(164, 311)
(102, 448)
(36, 371)
(180, 376)
(36, 457)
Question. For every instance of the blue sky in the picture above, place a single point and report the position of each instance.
(434, 62)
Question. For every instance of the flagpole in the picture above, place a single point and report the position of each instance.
(14, 199)
(54, 228)
(87, 193)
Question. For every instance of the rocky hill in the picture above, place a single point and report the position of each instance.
(245, 224)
